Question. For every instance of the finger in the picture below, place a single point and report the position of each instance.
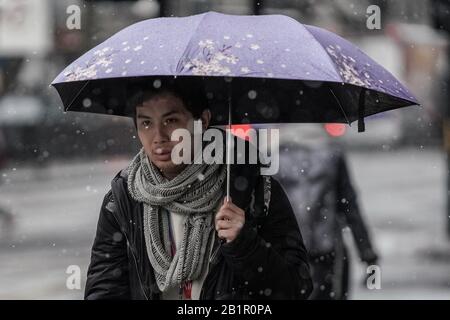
(223, 225)
(227, 225)
(226, 234)
(226, 199)
(224, 218)
(226, 214)
(233, 207)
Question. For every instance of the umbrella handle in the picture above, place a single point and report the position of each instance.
(229, 141)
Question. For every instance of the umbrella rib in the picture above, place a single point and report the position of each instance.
(76, 96)
(183, 56)
(340, 106)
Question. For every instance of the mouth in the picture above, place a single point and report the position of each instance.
(162, 154)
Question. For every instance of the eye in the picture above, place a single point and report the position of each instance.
(170, 120)
(146, 123)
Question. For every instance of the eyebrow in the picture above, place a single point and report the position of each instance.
(168, 113)
(143, 116)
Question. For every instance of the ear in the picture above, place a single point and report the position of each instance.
(206, 118)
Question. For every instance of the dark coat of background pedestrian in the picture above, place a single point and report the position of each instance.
(314, 172)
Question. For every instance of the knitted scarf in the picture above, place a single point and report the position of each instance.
(196, 192)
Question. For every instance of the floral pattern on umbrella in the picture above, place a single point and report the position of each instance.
(101, 58)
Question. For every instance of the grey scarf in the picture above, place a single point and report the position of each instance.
(196, 192)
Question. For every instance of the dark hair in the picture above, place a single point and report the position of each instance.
(189, 90)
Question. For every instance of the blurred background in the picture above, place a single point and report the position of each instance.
(55, 167)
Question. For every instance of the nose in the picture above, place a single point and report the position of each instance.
(161, 135)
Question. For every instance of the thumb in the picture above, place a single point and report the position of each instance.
(226, 199)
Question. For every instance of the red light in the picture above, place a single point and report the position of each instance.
(243, 127)
(335, 129)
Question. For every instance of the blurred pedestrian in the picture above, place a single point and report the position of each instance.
(6, 217)
(3, 154)
(314, 172)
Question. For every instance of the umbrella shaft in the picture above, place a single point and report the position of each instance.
(229, 141)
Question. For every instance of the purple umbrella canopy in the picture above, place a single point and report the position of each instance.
(281, 70)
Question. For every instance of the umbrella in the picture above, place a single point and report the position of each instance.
(276, 70)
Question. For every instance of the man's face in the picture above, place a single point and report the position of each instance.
(156, 119)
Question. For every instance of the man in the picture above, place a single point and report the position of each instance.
(6, 217)
(315, 175)
(166, 231)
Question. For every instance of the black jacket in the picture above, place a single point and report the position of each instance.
(318, 183)
(267, 260)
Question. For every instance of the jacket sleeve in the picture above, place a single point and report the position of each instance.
(107, 276)
(273, 260)
(347, 206)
